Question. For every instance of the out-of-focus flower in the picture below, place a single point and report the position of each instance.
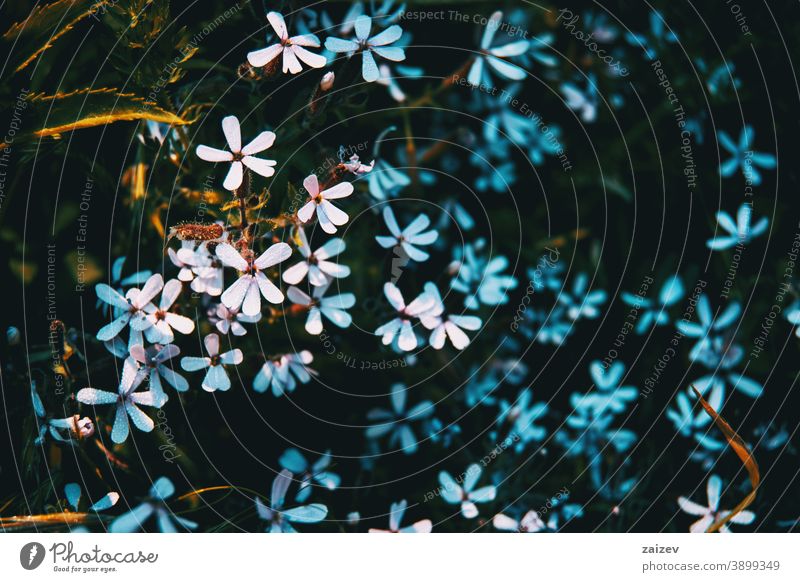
(518, 420)
(397, 421)
(585, 101)
(466, 495)
(712, 513)
(655, 313)
(739, 232)
(396, 512)
(73, 493)
(329, 216)
(294, 461)
(608, 395)
(482, 279)
(292, 48)
(239, 155)
(64, 430)
(530, 523)
(245, 294)
(659, 36)
(134, 520)
(743, 157)
(385, 181)
(708, 327)
(496, 56)
(280, 520)
(582, 303)
(216, 377)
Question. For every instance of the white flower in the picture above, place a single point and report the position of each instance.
(320, 270)
(244, 293)
(281, 373)
(291, 47)
(446, 326)
(207, 268)
(216, 378)
(126, 400)
(239, 155)
(401, 324)
(128, 309)
(185, 273)
(409, 236)
(163, 321)
(329, 216)
(155, 359)
(331, 307)
(530, 523)
(711, 513)
(356, 167)
(230, 320)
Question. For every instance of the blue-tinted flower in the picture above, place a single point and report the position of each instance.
(518, 418)
(396, 516)
(739, 232)
(333, 307)
(496, 56)
(117, 282)
(744, 157)
(126, 400)
(216, 377)
(659, 35)
(397, 422)
(481, 279)
(292, 48)
(437, 431)
(131, 309)
(294, 461)
(723, 357)
(410, 237)
(162, 320)
(608, 394)
(479, 387)
(585, 101)
(546, 326)
(154, 361)
(712, 513)
(319, 267)
(466, 495)
(156, 505)
(497, 169)
(792, 315)
(284, 372)
(400, 327)
(367, 45)
(385, 181)
(73, 493)
(708, 327)
(280, 520)
(652, 312)
(690, 421)
(581, 302)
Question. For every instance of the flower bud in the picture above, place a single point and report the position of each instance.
(327, 81)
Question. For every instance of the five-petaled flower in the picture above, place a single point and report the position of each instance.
(496, 56)
(239, 155)
(280, 520)
(368, 45)
(329, 216)
(291, 47)
(216, 377)
(466, 495)
(133, 521)
(711, 514)
(318, 305)
(400, 327)
(126, 400)
(409, 237)
(317, 264)
(245, 294)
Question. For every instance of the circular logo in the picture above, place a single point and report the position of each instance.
(31, 555)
